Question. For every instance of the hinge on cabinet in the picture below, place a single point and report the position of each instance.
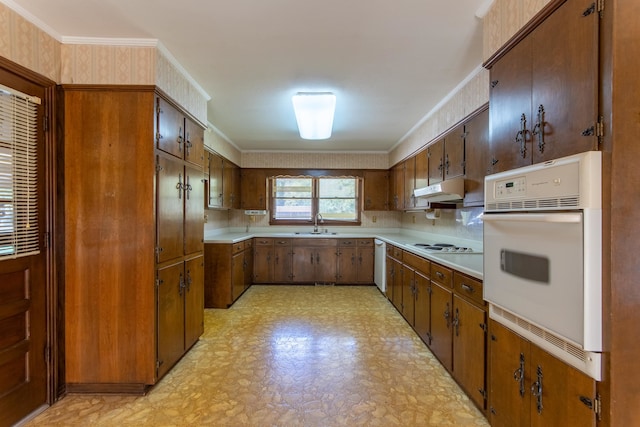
(45, 123)
(600, 129)
(47, 239)
(597, 407)
(158, 167)
(601, 7)
(483, 326)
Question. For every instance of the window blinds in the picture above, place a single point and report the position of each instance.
(18, 174)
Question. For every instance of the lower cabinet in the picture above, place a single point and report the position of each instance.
(272, 260)
(530, 387)
(441, 336)
(355, 261)
(314, 260)
(228, 272)
(180, 310)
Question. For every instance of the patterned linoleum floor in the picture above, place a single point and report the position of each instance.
(292, 356)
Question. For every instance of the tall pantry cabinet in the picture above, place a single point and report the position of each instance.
(132, 203)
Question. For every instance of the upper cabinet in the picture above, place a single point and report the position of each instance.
(446, 156)
(178, 135)
(376, 190)
(544, 91)
(223, 183)
(476, 131)
(253, 189)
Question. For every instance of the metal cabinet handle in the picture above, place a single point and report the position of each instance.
(467, 288)
(518, 375)
(521, 136)
(536, 389)
(179, 186)
(538, 128)
(446, 315)
(456, 322)
(440, 275)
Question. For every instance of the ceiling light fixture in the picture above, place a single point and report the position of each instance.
(314, 114)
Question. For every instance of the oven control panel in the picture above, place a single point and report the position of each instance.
(511, 187)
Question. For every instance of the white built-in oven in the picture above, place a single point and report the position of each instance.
(542, 256)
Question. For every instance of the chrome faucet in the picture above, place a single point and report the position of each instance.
(315, 222)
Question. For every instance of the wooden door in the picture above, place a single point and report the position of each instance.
(303, 264)
(347, 263)
(408, 296)
(409, 182)
(326, 264)
(509, 378)
(396, 297)
(397, 189)
(23, 289)
(366, 260)
(376, 190)
(263, 261)
(171, 288)
(169, 128)
(509, 99)
(194, 300)
(565, 82)
(441, 328)
(282, 261)
(454, 164)
(421, 176)
(215, 195)
(469, 345)
(193, 210)
(228, 184)
(435, 158)
(194, 142)
(563, 389)
(237, 275)
(476, 147)
(169, 216)
(253, 189)
(389, 276)
(248, 266)
(422, 313)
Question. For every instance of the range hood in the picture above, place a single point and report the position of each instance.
(450, 190)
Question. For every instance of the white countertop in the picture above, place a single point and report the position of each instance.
(471, 264)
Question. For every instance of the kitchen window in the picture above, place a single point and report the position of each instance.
(299, 199)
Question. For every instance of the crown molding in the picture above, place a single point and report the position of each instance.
(110, 41)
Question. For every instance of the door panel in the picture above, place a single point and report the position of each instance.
(366, 267)
(169, 215)
(170, 136)
(193, 211)
(422, 307)
(170, 316)
(194, 301)
(23, 381)
(441, 317)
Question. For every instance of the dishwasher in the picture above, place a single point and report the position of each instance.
(380, 271)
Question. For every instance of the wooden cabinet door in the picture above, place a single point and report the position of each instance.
(422, 313)
(237, 275)
(263, 261)
(169, 216)
(376, 190)
(303, 264)
(435, 158)
(441, 318)
(421, 176)
(347, 264)
(253, 189)
(509, 99)
(194, 300)
(326, 264)
(409, 182)
(248, 267)
(215, 195)
(282, 261)
(194, 142)
(476, 146)
(469, 345)
(454, 164)
(396, 296)
(169, 128)
(397, 188)
(366, 260)
(389, 277)
(230, 185)
(565, 82)
(193, 210)
(562, 388)
(509, 397)
(408, 296)
(170, 312)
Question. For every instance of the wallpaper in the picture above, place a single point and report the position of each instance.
(27, 45)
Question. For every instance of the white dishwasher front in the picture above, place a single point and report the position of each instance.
(380, 272)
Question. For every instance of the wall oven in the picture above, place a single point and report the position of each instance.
(543, 256)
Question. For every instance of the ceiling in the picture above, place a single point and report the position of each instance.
(388, 62)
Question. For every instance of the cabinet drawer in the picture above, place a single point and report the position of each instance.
(248, 244)
(364, 243)
(394, 252)
(442, 275)
(237, 247)
(314, 242)
(347, 242)
(468, 287)
(421, 264)
(263, 241)
(282, 242)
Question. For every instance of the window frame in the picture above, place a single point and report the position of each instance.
(315, 185)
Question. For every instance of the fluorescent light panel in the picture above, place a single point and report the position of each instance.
(314, 114)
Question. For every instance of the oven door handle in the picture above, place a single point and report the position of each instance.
(564, 217)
